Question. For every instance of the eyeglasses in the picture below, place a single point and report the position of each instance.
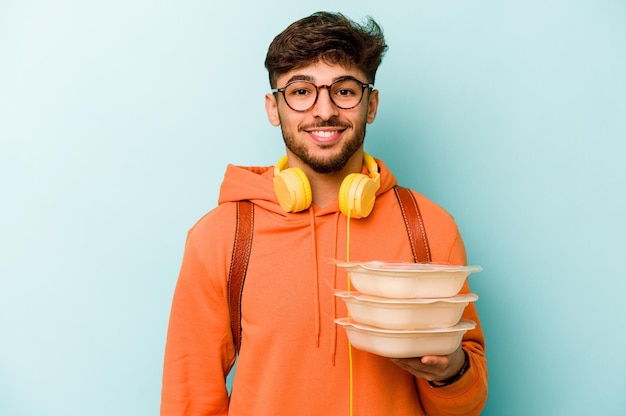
(345, 93)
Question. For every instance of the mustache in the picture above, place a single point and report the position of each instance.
(322, 124)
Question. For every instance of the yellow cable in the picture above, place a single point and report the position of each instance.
(348, 274)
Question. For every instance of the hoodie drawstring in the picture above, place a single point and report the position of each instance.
(333, 336)
(316, 295)
(316, 283)
(316, 288)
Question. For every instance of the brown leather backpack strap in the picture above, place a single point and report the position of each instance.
(242, 245)
(414, 224)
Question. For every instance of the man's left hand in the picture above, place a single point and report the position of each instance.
(433, 367)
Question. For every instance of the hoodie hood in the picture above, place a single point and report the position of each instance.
(255, 183)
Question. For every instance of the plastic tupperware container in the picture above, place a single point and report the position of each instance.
(417, 313)
(404, 280)
(405, 343)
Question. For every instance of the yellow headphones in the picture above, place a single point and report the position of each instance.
(356, 194)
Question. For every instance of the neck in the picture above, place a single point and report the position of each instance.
(325, 186)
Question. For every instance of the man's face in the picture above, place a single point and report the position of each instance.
(325, 136)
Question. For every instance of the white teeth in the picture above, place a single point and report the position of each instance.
(324, 133)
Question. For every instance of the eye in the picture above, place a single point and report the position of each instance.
(345, 92)
(300, 89)
(346, 89)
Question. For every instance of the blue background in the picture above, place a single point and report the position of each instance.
(117, 120)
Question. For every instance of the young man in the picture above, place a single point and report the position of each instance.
(293, 359)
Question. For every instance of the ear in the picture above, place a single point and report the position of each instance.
(372, 106)
(272, 109)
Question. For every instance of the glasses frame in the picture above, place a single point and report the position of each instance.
(364, 85)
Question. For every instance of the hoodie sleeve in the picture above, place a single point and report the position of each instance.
(468, 395)
(199, 352)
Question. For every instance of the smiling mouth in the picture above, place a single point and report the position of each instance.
(324, 134)
(326, 131)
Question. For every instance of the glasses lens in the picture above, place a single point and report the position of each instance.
(346, 93)
(300, 95)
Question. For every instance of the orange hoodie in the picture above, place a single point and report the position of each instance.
(294, 359)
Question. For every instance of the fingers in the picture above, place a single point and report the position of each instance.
(427, 367)
(433, 367)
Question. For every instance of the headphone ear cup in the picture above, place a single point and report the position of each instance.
(357, 195)
(293, 190)
(344, 190)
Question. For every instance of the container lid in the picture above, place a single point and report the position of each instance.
(466, 297)
(407, 267)
(463, 325)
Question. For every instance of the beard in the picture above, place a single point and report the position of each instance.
(331, 164)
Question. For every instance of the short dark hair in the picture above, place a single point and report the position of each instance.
(329, 37)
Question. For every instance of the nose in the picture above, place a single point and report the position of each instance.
(324, 107)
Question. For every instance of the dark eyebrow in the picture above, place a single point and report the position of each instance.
(300, 78)
(345, 77)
